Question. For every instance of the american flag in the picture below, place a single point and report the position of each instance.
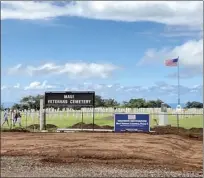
(171, 62)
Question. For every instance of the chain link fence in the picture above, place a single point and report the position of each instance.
(82, 120)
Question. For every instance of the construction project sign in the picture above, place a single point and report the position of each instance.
(131, 122)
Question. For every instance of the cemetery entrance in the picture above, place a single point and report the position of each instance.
(73, 100)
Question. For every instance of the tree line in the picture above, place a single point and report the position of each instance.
(33, 102)
(194, 104)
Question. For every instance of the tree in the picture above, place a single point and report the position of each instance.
(31, 102)
(99, 102)
(17, 106)
(151, 104)
(137, 103)
(141, 103)
(2, 107)
(188, 104)
(111, 103)
(194, 104)
(125, 104)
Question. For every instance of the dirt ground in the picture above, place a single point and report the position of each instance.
(136, 150)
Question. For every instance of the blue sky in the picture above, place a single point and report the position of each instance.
(102, 46)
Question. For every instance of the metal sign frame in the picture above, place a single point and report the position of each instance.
(132, 114)
(70, 105)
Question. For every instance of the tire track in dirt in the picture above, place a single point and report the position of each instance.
(171, 151)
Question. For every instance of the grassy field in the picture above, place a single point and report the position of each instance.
(63, 120)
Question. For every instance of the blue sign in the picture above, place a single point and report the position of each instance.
(132, 123)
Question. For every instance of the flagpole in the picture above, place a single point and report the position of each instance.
(178, 82)
(178, 75)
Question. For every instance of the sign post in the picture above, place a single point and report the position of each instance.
(42, 117)
(131, 122)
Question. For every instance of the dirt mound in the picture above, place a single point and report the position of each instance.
(196, 133)
(37, 126)
(196, 130)
(90, 126)
(160, 130)
(15, 130)
(85, 126)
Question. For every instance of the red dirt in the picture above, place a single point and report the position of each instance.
(90, 126)
(127, 149)
(193, 133)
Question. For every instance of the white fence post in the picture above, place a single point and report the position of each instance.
(42, 118)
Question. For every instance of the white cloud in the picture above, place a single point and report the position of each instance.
(159, 87)
(15, 69)
(44, 69)
(196, 89)
(190, 57)
(72, 70)
(186, 33)
(17, 85)
(3, 87)
(182, 31)
(8, 87)
(37, 85)
(161, 90)
(191, 53)
(170, 32)
(188, 13)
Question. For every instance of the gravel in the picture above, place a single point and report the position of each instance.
(33, 167)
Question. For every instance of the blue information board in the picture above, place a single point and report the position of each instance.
(131, 122)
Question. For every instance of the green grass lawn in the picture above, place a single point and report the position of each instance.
(63, 120)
